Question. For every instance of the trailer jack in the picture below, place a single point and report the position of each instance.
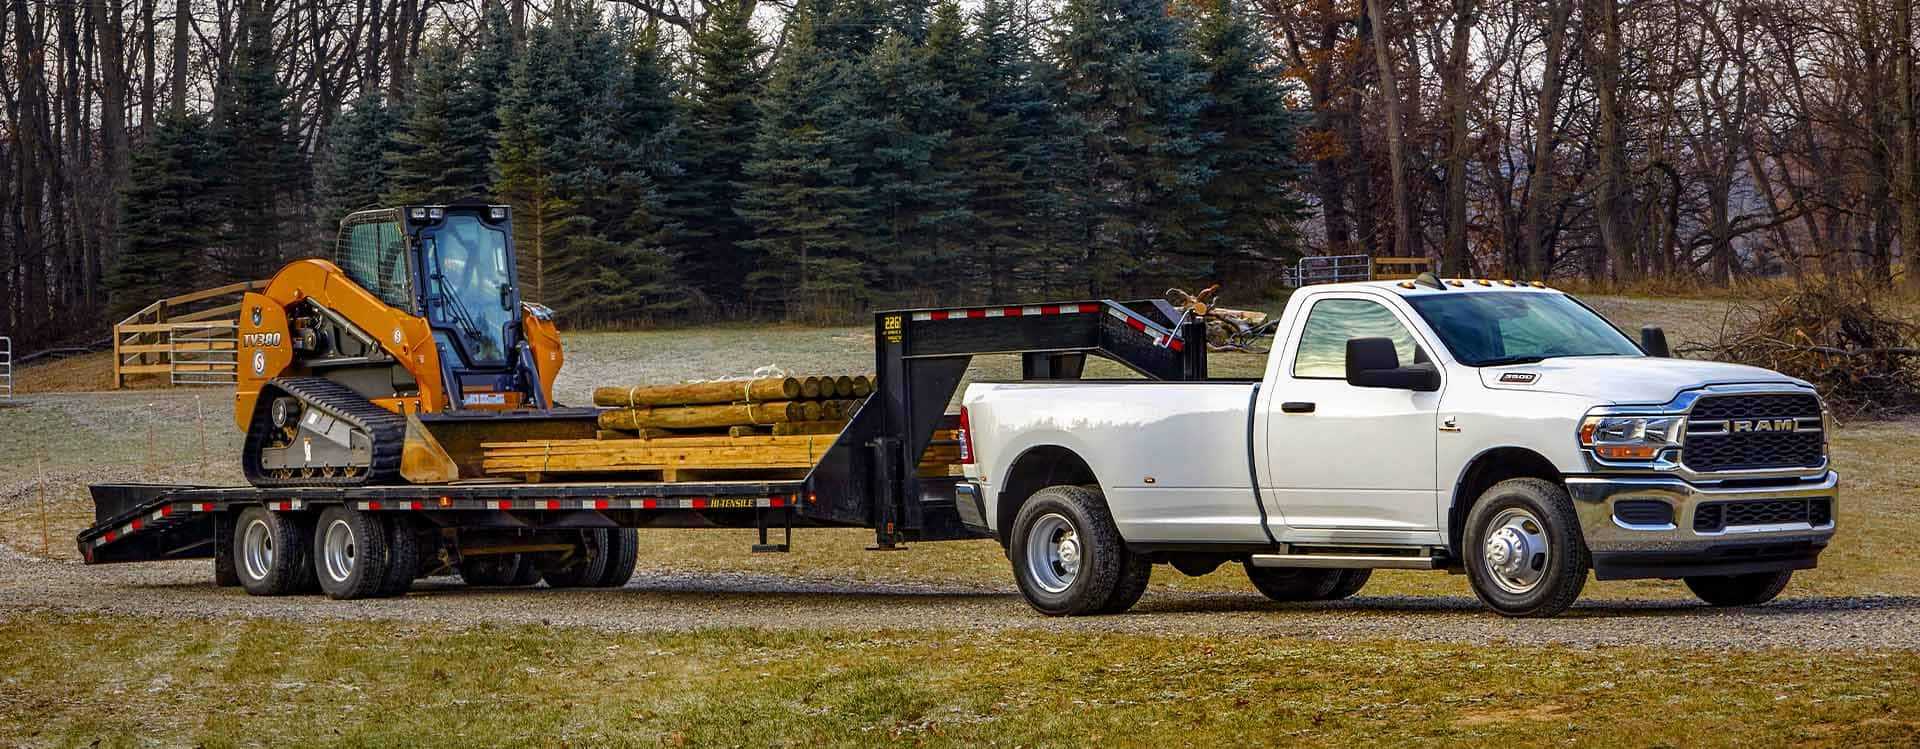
(760, 521)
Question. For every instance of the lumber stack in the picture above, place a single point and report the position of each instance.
(687, 458)
(775, 406)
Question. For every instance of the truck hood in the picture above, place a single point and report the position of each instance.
(1625, 379)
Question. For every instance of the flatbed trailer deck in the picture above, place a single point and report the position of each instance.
(865, 479)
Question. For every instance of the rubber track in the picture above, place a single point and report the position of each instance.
(386, 429)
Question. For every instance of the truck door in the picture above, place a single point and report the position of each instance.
(1345, 457)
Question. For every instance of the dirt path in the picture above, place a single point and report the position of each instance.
(682, 601)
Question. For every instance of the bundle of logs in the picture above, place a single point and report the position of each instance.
(779, 406)
(766, 428)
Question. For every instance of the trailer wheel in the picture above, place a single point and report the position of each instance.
(623, 553)
(1290, 584)
(1740, 590)
(350, 553)
(584, 567)
(1068, 558)
(270, 553)
(403, 558)
(525, 572)
(495, 570)
(1524, 554)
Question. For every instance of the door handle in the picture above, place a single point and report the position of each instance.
(1297, 407)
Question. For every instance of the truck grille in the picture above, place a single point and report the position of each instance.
(1718, 516)
(1742, 432)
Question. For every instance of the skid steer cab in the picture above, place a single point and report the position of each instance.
(417, 317)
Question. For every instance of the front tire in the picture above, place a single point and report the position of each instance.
(1068, 557)
(350, 553)
(1524, 552)
(1740, 590)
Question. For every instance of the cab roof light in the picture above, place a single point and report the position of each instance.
(1508, 282)
(1455, 282)
(1483, 282)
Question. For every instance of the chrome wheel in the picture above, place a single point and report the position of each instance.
(338, 551)
(1516, 551)
(256, 550)
(1053, 553)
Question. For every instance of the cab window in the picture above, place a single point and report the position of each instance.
(1322, 352)
(374, 255)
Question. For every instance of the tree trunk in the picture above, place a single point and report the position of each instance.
(1540, 187)
(1615, 238)
(1396, 146)
(1454, 258)
(1906, 186)
(182, 33)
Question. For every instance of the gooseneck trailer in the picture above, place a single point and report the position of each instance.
(364, 541)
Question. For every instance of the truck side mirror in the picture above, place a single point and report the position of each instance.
(1653, 340)
(1373, 363)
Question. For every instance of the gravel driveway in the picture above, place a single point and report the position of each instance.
(690, 601)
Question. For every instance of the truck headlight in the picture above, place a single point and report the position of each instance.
(1631, 437)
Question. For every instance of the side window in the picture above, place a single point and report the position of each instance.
(374, 256)
(1331, 322)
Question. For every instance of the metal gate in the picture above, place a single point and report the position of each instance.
(1315, 269)
(204, 353)
(6, 367)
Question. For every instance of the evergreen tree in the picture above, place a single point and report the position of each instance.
(587, 128)
(163, 216)
(890, 119)
(722, 115)
(350, 173)
(261, 190)
(539, 124)
(1250, 203)
(1136, 93)
(440, 154)
(804, 206)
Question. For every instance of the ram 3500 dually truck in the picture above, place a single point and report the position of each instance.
(1495, 428)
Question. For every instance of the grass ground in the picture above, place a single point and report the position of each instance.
(105, 681)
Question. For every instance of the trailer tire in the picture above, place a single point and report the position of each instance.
(270, 553)
(1523, 550)
(583, 568)
(623, 554)
(403, 558)
(350, 553)
(1068, 557)
(1293, 584)
(525, 572)
(496, 570)
(1740, 590)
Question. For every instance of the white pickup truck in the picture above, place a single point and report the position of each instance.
(1498, 429)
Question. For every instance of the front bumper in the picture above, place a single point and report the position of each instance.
(1691, 543)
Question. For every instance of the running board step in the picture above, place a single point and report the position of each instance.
(1348, 561)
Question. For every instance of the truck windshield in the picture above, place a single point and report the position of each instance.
(470, 270)
(1485, 329)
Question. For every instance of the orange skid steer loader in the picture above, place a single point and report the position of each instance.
(397, 359)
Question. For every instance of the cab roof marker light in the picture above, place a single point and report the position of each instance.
(1483, 282)
(1508, 282)
(1538, 284)
(1455, 282)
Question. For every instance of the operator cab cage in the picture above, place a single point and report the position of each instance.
(453, 265)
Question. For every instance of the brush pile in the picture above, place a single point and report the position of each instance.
(1861, 357)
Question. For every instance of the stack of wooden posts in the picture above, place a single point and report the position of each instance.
(768, 428)
(779, 406)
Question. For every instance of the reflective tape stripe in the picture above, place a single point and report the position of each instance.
(984, 312)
